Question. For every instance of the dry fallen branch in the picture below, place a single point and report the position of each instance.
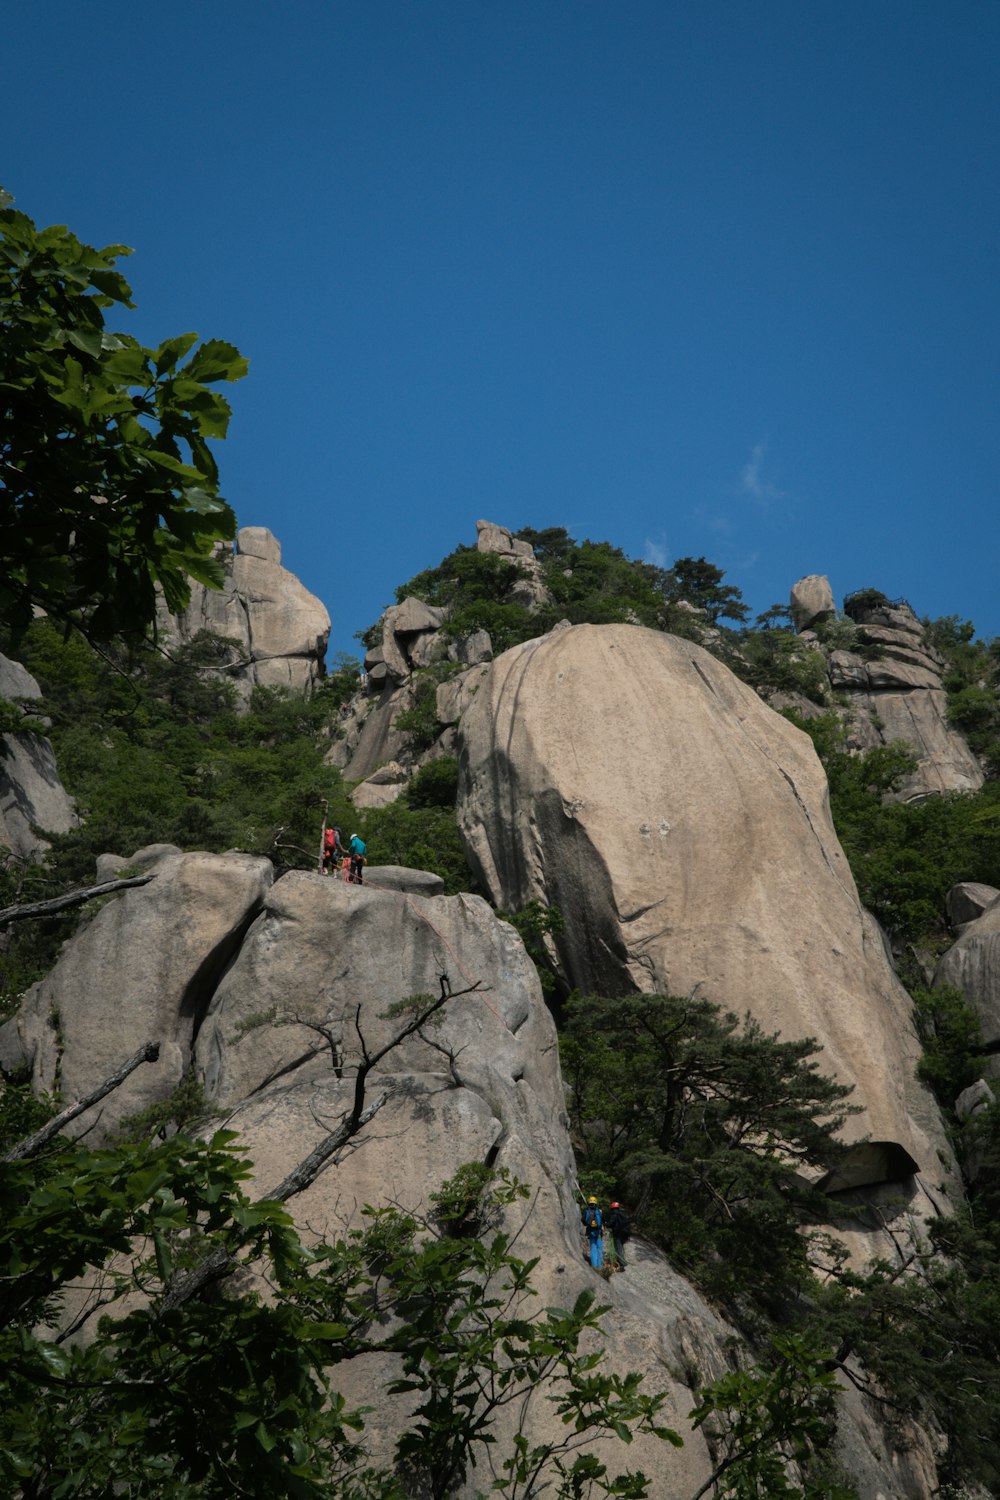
(72, 898)
(32, 1144)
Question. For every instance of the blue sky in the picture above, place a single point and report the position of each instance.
(698, 277)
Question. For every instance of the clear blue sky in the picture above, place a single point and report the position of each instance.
(697, 277)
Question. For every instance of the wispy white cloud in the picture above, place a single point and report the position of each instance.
(753, 481)
(715, 520)
(656, 552)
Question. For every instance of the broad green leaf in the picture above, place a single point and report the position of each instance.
(171, 350)
(89, 340)
(216, 360)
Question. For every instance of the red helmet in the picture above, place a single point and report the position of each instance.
(616, 1205)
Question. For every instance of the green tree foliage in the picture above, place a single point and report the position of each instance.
(158, 1224)
(971, 683)
(422, 837)
(434, 785)
(951, 1037)
(108, 485)
(905, 856)
(596, 584)
(927, 1333)
(155, 752)
(705, 1126)
(700, 583)
(590, 583)
(774, 659)
(420, 722)
(766, 1417)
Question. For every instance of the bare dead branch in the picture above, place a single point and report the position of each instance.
(32, 1144)
(72, 898)
(223, 1261)
(308, 1169)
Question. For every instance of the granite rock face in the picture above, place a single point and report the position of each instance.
(279, 629)
(812, 600)
(972, 965)
(32, 795)
(685, 836)
(142, 969)
(892, 684)
(412, 638)
(267, 989)
(967, 901)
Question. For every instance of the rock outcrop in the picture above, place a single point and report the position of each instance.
(412, 638)
(886, 681)
(967, 901)
(142, 969)
(972, 965)
(267, 989)
(812, 600)
(278, 628)
(528, 589)
(32, 796)
(682, 829)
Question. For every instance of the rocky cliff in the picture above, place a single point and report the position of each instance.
(886, 679)
(33, 799)
(277, 628)
(682, 829)
(271, 990)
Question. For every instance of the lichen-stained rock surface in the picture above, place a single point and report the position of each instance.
(280, 629)
(321, 948)
(32, 795)
(141, 970)
(682, 829)
(894, 695)
(972, 965)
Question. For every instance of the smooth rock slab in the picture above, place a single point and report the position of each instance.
(683, 831)
(141, 970)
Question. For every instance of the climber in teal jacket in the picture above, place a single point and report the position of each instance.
(358, 849)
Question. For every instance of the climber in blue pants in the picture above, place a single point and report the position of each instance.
(594, 1225)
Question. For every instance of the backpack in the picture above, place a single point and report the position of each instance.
(624, 1227)
(593, 1217)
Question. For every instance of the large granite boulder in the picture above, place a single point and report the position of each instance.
(409, 640)
(972, 965)
(382, 787)
(812, 600)
(142, 969)
(370, 737)
(280, 630)
(482, 1084)
(32, 796)
(967, 901)
(683, 830)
